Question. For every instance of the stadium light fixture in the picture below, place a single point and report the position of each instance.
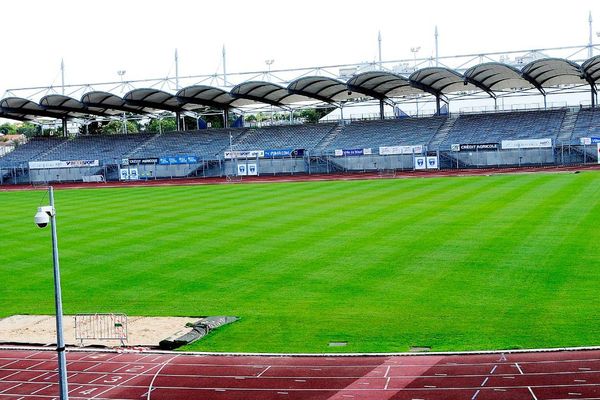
(45, 215)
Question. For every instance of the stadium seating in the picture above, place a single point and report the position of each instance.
(398, 132)
(587, 124)
(436, 132)
(34, 149)
(284, 137)
(493, 128)
(204, 143)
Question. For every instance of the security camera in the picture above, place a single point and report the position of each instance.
(42, 217)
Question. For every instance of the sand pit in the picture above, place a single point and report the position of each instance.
(41, 330)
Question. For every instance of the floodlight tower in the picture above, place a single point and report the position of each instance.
(415, 50)
(45, 215)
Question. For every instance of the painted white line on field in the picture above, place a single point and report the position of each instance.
(475, 395)
(493, 369)
(263, 371)
(519, 368)
(532, 394)
(485, 381)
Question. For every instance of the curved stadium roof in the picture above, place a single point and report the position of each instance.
(490, 77)
(266, 92)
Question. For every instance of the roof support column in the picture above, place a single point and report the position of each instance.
(64, 126)
(381, 113)
(594, 95)
(545, 102)
(437, 104)
(226, 118)
(178, 119)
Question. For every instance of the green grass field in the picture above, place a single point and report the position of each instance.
(490, 262)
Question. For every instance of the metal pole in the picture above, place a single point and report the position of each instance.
(379, 42)
(62, 74)
(224, 68)
(176, 71)
(437, 59)
(591, 44)
(60, 342)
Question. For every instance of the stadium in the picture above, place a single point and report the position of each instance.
(406, 229)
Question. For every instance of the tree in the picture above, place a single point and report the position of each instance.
(163, 125)
(313, 115)
(8, 129)
(28, 129)
(116, 127)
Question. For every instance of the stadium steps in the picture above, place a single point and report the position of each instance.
(329, 138)
(243, 137)
(143, 145)
(440, 136)
(54, 149)
(567, 126)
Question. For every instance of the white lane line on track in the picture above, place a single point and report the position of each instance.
(263, 371)
(532, 394)
(493, 369)
(475, 395)
(519, 368)
(387, 383)
(12, 387)
(387, 371)
(484, 381)
(158, 372)
(39, 390)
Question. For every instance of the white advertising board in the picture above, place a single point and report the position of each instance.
(526, 144)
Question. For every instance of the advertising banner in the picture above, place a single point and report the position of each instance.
(393, 150)
(63, 164)
(129, 174)
(595, 139)
(135, 161)
(177, 160)
(432, 163)
(586, 141)
(276, 153)
(244, 154)
(353, 152)
(242, 170)
(252, 169)
(475, 146)
(526, 144)
(339, 153)
(420, 163)
(598, 152)
(367, 151)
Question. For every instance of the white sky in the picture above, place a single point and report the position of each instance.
(98, 38)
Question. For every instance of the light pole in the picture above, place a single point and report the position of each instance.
(415, 50)
(121, 73)
(269, 63)
(45, 215)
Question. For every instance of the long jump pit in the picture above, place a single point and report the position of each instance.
(151, 332)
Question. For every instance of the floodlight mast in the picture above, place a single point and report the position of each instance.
(60, 342)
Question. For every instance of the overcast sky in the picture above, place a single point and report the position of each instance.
(98, 38)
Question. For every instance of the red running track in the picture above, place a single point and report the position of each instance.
(31, 374)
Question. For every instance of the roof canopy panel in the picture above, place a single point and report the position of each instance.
(110, 103)
(153, 98)
(550, 72)
(321, 88)
(210, 96)
(381, 84)
(592, 68)
(442, 80)
(68, 106)
(497, 77)
(18, 106)
(266, 92)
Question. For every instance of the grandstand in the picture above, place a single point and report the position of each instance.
(326, 147)
(498, 138)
